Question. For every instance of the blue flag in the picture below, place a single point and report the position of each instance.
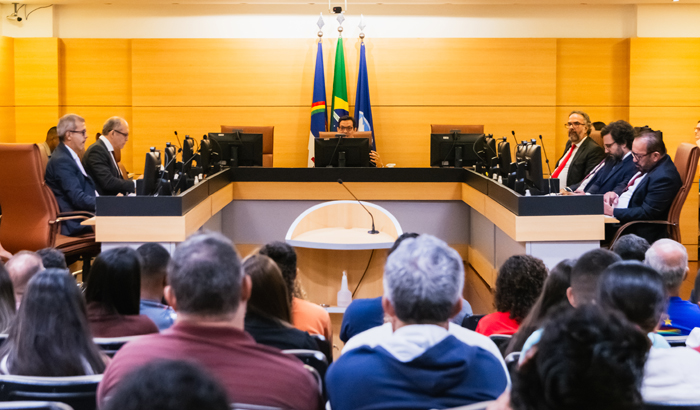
(319, 117)
(363, 108)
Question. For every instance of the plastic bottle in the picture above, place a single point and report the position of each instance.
(344, 294)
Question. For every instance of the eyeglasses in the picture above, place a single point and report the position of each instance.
(573, 124)
(117, 131)
(78, 132)
(637, 157)
(345, 129)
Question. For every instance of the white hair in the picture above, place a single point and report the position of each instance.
(68, 123)
(423, 280)
(670, 259)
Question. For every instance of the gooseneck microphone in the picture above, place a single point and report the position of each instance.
(516, 140)
(545, 156)
(373, 231)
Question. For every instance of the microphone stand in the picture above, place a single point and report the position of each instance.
(373, 231)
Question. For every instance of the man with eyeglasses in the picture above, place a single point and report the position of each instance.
(650, 192)
(582, 154)
(347, 126)
(65, 175)
(100, 161)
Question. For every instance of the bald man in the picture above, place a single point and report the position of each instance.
(21, 268)
(100, 163)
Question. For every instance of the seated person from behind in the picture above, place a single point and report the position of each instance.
(347, 126)
(426, 362)
(670, 259)
(650, 192)
(268, 312)
(65, 175)
(613, 173)
(50, 336)
(52, 258)
(209, 291)
(112, 294)
(581, 155)
(519, 283)
(631, 247)
(8, 307)
(22, 267)
(306, 316)
(47, 147)
(100, 163)
(154, 268)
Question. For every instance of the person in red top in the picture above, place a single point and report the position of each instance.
(209, 291)
(519, 283)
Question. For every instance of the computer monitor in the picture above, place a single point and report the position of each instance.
(504, 157)
(237, 149)
(530, 155)
(341, 152)
(152, 183)
(169, 158)
(454, 150)
(187, 154)
(485, 147)
(204, 161)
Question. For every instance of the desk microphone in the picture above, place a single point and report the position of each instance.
(373, 231)
(178, 142)
(545, 156)
(512, 132)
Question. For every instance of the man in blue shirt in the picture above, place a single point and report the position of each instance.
(670, 259)
(154, 264)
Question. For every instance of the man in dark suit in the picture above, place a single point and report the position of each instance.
(618, 168)
(65, 175)
(650, 192)
(100, 163)
(582, 154)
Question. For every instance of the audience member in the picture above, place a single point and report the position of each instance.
(52, 258)
(631, 247)
(306, 316)
(100, 161)
(209, 290)
(584, 283)
(587, 359)
(551, 300)
(670, 259)
(638, 291)
(21, 267)
(49, 145)
(268, 311)
(424, 361)
(154, 268)
(649, 194)
(581, 154)
(50, 336)
(4, 255)
(112, 294)
(73, 188)
(696, 289)
(7, 300)
(169, 385)
(519, 283)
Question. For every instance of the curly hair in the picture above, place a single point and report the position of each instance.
(588, 358)
(518, 285)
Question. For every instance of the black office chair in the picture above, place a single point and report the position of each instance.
(470, 322)
(661, 406)
(110, 345)
(315, 360)
(501, 341)
(79, 392)
(34, 405)
(325, 346)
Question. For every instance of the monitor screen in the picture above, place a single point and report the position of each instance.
(341, 152)
(152, 182)
(454, 150)
(238, 149)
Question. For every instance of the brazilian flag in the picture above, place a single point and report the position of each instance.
(339, 104)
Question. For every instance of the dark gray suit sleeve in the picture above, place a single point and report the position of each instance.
(99, 164)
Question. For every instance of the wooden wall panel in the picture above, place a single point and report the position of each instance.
(36, 71)
(95, 72)
(7, 89)
(664, 72)
(33, 122)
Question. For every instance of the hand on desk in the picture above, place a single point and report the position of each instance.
(608, 209)
(610, 198)
(376, 159)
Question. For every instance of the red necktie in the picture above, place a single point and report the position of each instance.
(639, 174)
(563, 163)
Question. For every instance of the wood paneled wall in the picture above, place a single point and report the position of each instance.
(195, 85)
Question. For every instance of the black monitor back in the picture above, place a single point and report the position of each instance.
(328, 152)
(169, 160)
(238, 149)
(151, 174)
(443, 148)
(504, 158)
(204, 155)
(531, 155)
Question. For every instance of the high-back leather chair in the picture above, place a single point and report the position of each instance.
(31, 218)
(686, 162)
(597, 137)
(268, 134)
(464, 129)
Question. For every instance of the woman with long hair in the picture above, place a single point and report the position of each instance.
(268, 313)
(113, 295)
(7, 300)
(50, 336)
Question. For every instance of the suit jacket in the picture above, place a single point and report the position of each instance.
(652, 200)
(586, 157)
(99, 164)
(609, 179)
(73, 190)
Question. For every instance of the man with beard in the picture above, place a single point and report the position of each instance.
(65, 175)
(613, 173)
(650, 192)
(582, 154)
